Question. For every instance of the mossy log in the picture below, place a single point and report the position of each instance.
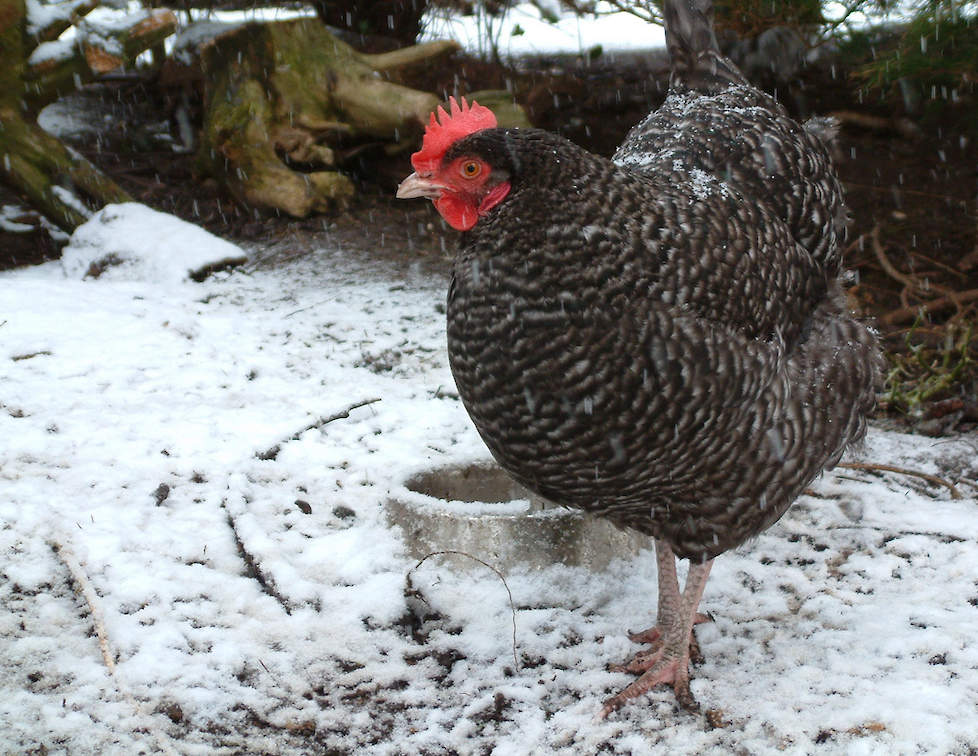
(55, 180)
(283, 102)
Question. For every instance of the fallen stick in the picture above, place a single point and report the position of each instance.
(911, 283)
(902, 126)
(955, 494)
(512, 605)
(907, 314)
(253, 568)
(272, 452)
(888, 267)
(84, 587)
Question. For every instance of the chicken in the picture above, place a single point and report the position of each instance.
(660, 339)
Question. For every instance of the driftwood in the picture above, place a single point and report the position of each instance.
(286, 101)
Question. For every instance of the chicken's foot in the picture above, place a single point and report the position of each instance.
(672, 636)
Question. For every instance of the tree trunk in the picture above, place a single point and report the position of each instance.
(283, 99)
(397, 19)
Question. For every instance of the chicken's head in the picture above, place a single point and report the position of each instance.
(462, 185)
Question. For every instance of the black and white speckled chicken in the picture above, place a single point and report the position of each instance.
(659, 339)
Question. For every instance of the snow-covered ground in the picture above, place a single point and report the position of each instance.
(167, 586)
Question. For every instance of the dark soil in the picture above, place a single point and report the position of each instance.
(912, 188)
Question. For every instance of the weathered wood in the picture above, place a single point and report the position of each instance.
(424, 53)
(52, 77)
(13, 17)
(60, 24)
(114, 48)
(281, 98)
(48, 78)
(499, 101)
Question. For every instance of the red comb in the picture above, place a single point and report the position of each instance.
(438, 137)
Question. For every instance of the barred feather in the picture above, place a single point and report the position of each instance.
(661, 339)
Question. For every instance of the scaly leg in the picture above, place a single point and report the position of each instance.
(670, 601)
(669, 663)
(668, 605)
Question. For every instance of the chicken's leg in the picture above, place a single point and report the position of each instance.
(668, 661)
(669, 598)
(668, 605)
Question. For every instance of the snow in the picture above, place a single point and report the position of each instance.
(135, 410)
(41, 15)
(189, 39)
(523, 31)
(54, 51)
(130, 241)
(8, 222)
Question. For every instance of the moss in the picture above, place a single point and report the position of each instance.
(277, 93)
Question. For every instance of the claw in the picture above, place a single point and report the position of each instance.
(649, 635)
(653, 634)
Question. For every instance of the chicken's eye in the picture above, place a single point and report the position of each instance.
(471, 169)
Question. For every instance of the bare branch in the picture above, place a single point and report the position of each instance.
(272, 452)
(955, 494)
(83, 585)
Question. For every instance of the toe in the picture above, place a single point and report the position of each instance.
(649, 635)
(670, 670)
(641, 662)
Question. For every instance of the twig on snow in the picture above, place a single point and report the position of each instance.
(272, 452)
(253, 568)
(972, 483)
(512, 605)
(955, 494)
(84, 586)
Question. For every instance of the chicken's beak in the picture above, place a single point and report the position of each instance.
(416, 186)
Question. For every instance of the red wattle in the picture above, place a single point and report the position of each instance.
(459, 214)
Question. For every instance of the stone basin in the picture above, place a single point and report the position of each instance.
(477, 508)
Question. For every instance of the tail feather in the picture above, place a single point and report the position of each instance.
(696, 59)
